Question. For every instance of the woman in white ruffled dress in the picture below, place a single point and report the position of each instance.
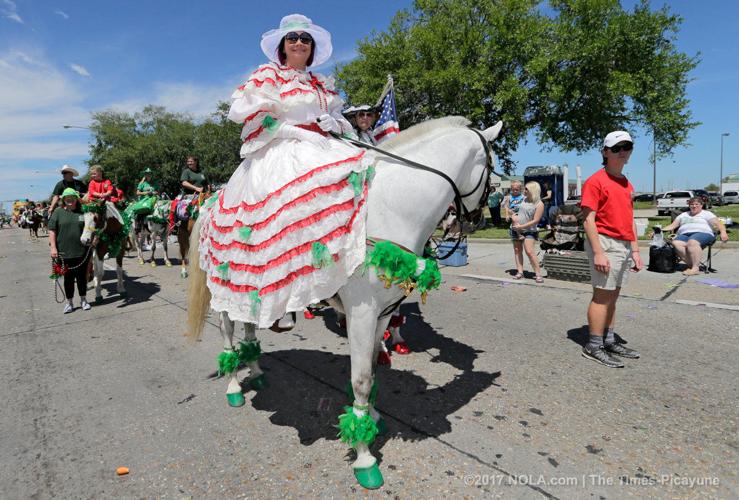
(289, 228)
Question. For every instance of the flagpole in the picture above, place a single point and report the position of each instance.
(385, 90)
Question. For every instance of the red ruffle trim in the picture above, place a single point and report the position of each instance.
(338, 186)
(246, 207)
(311, 219)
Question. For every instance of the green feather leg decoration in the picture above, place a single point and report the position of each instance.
(354, 430)
(244, 233)
(228, 362)
(392, 263)
(321, 255)
(249, 351)
(270, 123)
(223, 269)
(256, 302)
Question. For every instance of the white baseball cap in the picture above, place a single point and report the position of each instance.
(615, 137)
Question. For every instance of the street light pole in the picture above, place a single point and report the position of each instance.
(75, 126)
(654, 167)
(721, 180)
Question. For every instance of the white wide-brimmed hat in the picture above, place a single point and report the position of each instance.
(353, 110)
(67, 168)
(297, 22)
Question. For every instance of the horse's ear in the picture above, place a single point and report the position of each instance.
(492, 133)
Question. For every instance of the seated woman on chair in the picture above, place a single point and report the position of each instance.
(695, 231)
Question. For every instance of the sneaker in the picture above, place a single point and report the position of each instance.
(602, 357)
(621, 350)
(68, 308)
(85, 305)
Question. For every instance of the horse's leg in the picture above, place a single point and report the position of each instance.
(153, 246)
(357, 427)
(98, 269)
(183, 238)
(119, 272)
(228, 362)
(250, 353)
(165, 244)
(140, 245)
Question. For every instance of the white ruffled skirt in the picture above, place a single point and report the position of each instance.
(288, 230)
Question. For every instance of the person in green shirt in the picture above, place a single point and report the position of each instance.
(68, 181)
(65, 230)
(494, 199)
(146, 187)
(193, 180)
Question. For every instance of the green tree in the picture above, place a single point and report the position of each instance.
(569, 70)
(711, 187)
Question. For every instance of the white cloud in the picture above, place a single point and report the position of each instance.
(62, 13)
(42, 150)
(30, 83)
(79, 69)
(10, 11)
(197, 100)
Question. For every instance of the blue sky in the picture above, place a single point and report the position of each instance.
(60, 60)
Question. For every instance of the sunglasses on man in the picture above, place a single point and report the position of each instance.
(621, 147)
(304, 38)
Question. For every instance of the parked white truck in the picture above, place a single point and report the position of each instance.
(673, 200)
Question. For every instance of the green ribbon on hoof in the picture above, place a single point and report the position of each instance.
(249, 351)
(354, 429)
(235, 399)
(228, 362)
(369, 477)
(373, 392)
(259, 382)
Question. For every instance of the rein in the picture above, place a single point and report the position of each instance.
(458, 197)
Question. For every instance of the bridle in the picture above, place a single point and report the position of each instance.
(462, 213)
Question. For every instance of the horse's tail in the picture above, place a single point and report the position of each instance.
(198, 294)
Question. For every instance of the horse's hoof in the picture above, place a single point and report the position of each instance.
(381, 427)
(168, 264)
(369, 477)
(153, 264)
(235, 399)
(141, 262)
(98, 300)
(183, 274)
(259, 382)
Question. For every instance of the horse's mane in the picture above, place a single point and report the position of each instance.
(424, 128)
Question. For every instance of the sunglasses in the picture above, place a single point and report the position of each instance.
(365, 114)
(304, 38)
(623, 147)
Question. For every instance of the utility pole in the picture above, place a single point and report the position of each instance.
(721, 173)
(654, 167)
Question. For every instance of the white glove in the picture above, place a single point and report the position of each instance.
(292, 132)
(328, 123)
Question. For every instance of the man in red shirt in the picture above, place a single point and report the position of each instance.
(611, 246)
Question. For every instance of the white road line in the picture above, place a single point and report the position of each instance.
(708, 304)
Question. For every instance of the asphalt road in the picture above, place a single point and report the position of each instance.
(495, 400)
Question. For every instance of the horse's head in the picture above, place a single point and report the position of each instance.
(95, 217)
(475, 185)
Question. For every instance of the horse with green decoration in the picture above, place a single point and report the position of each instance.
(156, 225)
(106, 229)
(419, 173)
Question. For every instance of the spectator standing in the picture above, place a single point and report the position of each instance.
(511, 204)
(611, 244)
(495, 198)
(65, 229)
(525, 223)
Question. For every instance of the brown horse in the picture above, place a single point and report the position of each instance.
(107, 229)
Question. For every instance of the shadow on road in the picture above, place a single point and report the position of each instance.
(137, 291)
(413, 408)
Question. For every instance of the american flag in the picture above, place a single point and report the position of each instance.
(387, 125)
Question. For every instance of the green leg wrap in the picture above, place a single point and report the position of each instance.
(354, 429)
(381, 427)
(369, 477)
(228, 362)
(258, 383)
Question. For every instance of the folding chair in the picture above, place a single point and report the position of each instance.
(706, 265)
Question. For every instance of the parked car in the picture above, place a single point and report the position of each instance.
(716, 198)
(731, 197)
(645, 197)
(707, 203)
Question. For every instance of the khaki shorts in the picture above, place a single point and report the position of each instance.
(619, 255)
